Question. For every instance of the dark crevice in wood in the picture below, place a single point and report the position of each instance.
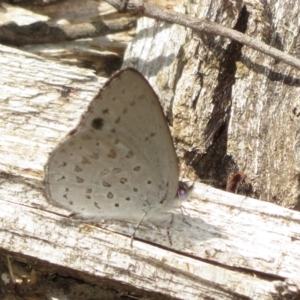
(215, 164)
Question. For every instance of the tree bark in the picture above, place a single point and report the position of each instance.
(231, 108)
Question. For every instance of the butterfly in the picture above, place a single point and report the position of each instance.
(119, 162)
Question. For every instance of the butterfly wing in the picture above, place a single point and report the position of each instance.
(120, 160)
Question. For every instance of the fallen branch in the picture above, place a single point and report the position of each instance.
(159, 13)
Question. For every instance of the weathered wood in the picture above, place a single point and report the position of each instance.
(231, 108)
(225, 245)
(70, 32)
(144, 8)
(220, 245)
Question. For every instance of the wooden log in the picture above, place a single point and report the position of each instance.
(219, 244)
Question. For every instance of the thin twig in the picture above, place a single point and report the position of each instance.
(159, 13)
(10, 270)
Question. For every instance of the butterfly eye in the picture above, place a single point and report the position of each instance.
(182, 193)
(184, 189)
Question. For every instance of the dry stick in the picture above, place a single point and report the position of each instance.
(10, 270)
(159, 13)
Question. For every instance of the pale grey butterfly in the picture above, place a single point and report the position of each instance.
(120, 162)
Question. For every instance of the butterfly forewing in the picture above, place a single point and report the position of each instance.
(120, 160)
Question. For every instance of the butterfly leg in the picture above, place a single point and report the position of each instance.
(183, 214)
(168, 229)
(136, 227)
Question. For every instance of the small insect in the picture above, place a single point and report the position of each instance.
(120, 162)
